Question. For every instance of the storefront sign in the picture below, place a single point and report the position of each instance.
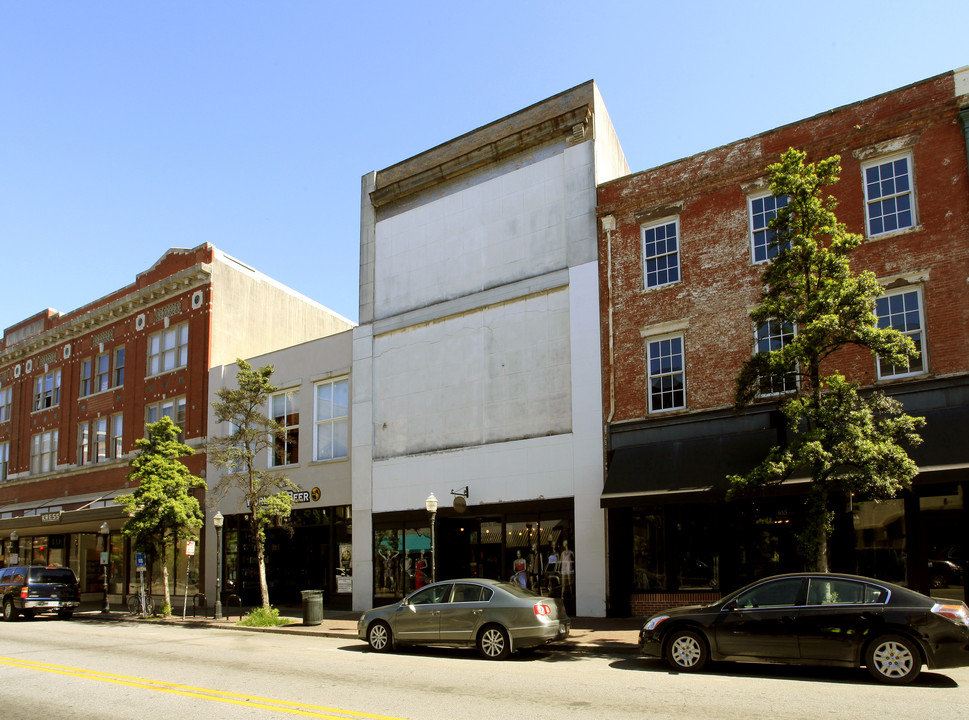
(51, 517)
(344, 584)
(190, 548)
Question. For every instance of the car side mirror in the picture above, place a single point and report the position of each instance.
(731, 606)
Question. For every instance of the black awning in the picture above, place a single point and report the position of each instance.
(690, 469)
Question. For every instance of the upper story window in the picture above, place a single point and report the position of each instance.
(661, 254)
(889, 195)
(332, 419)
(102, 372)
(903, 311)
(667, 376)
(119, 366)
(47, 390)
(284, 407)
(99, 439)
(6, 403)
(4, 460)
(43, 452)
(87, 377)
(774, 335)
(763, 209)
(168, 349)
(173, 408)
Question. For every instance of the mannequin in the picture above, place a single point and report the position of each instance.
(534, 568)
(518, 566)
(567, 569)
(388, 565)
(420, 577)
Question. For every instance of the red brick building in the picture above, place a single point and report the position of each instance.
(682, 248)
(76, 390)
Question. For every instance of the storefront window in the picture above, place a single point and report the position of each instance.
(649, 552)
(880, 540)
(388, 563)
(942, 515)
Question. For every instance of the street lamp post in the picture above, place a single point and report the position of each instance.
(431, 505)
(217, 521)
(106, 562)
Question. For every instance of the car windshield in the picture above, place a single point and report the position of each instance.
(51, 575)
(517, 590)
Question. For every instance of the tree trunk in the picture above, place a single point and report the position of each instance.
(263, 585)
(168, 597)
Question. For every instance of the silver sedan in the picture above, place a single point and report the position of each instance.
(497, 617)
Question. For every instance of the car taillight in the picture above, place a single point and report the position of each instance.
(23, 592)
(955, 612)
(541, 609)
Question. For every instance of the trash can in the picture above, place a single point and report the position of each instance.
(312, 607)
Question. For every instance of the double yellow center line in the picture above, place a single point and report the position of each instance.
(249, 701)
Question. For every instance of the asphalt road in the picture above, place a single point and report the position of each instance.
(54, 669)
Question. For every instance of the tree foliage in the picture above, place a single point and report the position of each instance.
(265, 492)
(843, 440)
(162, 511)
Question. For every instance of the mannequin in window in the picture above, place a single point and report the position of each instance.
(388, 561)
(420, 577)
(534, 568)
(567, 569)
(519, 575)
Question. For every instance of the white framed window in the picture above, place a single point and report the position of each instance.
(889, 194)
(47, 390)
(332, 419)
(119, 366)
(774, 335)
(87, 377)
(99, 440)
(168, 349)
(661, 253)
(173, 408)
(902, 310)
(284, 409)
(114, 439)
(4, 460)
(763, 209)
(667, 373)
(43, 452)
(102, 372)
(6, 403)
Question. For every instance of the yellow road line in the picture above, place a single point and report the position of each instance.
(251, 701)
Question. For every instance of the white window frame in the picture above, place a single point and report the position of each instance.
(47, 394)
(330, 430)
(909, 192)
(87, 377)
(755, 231)
(170, 407)
(663, 256)
(658, 340)
(115, 435)
(772, 339)
(43, 452)
(288, 424)
(168, 349)
(6, 403)
(119, 359)
(901, 323)
(4, 460)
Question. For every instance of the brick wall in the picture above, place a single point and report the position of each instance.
(646, 604)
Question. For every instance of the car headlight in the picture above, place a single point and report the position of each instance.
(653, 622)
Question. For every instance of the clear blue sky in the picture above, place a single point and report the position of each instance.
(128, 127)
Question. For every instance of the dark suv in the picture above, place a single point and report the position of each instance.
(30, 589)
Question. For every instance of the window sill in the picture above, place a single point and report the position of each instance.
(656, 288)
(894, 233)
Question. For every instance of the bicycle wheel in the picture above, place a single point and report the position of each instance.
(149, 605)
(134, 607)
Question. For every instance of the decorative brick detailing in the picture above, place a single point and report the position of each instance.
(168, 310)
(102, 337)
(48, 358)
(645, 604)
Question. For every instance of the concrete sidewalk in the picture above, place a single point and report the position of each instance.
(591, 635)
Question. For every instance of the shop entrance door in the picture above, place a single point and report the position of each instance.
(455, 540)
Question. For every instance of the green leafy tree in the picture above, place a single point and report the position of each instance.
(162, 510)
(846, 442)
(266, 493)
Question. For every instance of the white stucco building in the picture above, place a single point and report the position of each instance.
(476, 364)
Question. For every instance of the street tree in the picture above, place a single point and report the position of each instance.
(253, 434)
(814, 305)
(162, 511)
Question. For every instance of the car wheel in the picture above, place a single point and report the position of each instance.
(494, 643)
(686, 650)
(9, 611)
(65, 614)
(379, 637)
(893, 659)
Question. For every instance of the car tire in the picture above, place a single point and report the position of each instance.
(494, 643)
(893, 659)
(9, 611)
(686, 651)
(65, 614)
(379, 637)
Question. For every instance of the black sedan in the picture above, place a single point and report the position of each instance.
(816, 619)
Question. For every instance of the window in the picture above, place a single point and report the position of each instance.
(6, 403)
(43, 452)
(667, 380)
(332, 419)
(87, 382)
(114, 440)
(47, 390)
(119, 367)
(99, 440)
(902, 311)
(888, 192)
(774, 335)
(173, 408)
(780, 593)
(763, 209)
(168, 349)
(661, 253)
(826, 591)
(285, 411)
(4, 460)
(102, 372)
(431, 595)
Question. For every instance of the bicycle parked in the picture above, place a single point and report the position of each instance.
(141, 603)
